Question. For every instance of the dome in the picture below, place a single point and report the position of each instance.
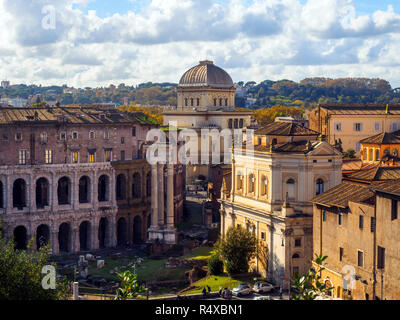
(206, 74)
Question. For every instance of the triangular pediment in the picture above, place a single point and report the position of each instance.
(324, 149)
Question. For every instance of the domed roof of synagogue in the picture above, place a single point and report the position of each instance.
(206, 74)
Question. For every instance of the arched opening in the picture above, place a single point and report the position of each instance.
(377, 155)
(1, 195)
(20, 238)
(103, 190)
(63, 191)
(121, 232)
(251, 183)
(42, 236)
(319, 186)
(84, 236)
(42, 193)
(64, 237)
(148, 185)
(371, 155)
(291, 189)
(137, 230)
(84, 189)
(121, 187)
(136, 186)
(103, 233)
(328, 285)
(19, 194)
(296, 256)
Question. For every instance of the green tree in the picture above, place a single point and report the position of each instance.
(130, 287)
(349, 154)
(215, 265)
(21, 274)
(309, 286)
(236, 249)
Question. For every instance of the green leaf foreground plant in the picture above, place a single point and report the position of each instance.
(130, 287)
(309, 286)
(21, 273)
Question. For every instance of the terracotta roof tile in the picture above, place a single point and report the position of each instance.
(285, 129)
(383, 138)
(361, 109)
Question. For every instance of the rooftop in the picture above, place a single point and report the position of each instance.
(374, 173)
(285, 129)
(362, 109)
(383, 138)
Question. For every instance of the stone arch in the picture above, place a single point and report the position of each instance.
(84, 236)
(136, 186)
(64, 237)
(122, 232)
(42, 193)
(1, 195)
(20, 238)
(103, 233)
(148, 184)
(42, 236)
(64, 191)
(137, 229)
(103, 192)
(84, 189)
(121, 187)
(19, 194)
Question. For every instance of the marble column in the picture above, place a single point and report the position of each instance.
(154, 197)
(170, 196)
(161, 195)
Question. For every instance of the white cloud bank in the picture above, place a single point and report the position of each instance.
(268, 39)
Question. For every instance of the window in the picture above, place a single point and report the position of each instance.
(241, 123)
(107, 155)
(319, 187)
(22, 157)
(381, 258)
(198, 101)
(324, 215)
(296, 256)
(377, 126)
(262, 235)
(264, 186)
(186, 102)
(372, 224)
(340, 219)
(358, 127)
(49, 156)
(123, 155)
(377, 155)
(92, 156)
(297, 242)
(43, 138)
(122, 140)
(192, 102)
(215, 102)
(239, 181)
(395, 209)
(361, 222)
(395, 126)
(63, 136)
(75, 157)
(74, 135)
(230, 123)
(251, 183)
(92, 135)
(18, 136)
(133, 131)
(226, 102)
(358, 147)
(236, 124)
(340, 254)
(365, 154)
(338, 126)
(360, 259)
(220, 102)
(106, 135)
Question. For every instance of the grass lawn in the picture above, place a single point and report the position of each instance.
(148, 270)
(217, 282)
(200, 253)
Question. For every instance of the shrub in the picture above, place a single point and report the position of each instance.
(215, 265)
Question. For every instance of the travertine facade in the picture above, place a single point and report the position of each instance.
(270, 195)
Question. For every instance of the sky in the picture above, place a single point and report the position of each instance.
(92, 43)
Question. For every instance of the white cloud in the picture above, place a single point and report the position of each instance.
(269, 39)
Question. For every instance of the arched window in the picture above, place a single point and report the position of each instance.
(192, 102)
(121, 187)
(296, 256)
(215, 102)
(264, 186)
(42, 193)
(103, 188)
(220, 102)
(239, 181)
(251, 183)
(19, 194)
(63, 191)
(136, 186)
(186, 102)
(84, 190)
(226, 102)
(377, 155)
(319, 187)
